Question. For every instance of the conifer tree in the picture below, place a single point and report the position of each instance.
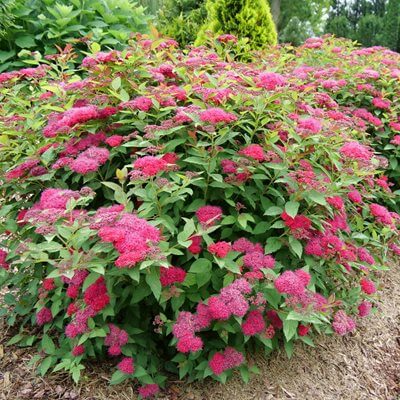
(390, 35)
(243, 18)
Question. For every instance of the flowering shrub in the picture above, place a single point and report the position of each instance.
(173, 211)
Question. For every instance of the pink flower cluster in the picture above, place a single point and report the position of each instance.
(292, 282)
(381, 103)
(114, 140)
(90, 160)
(171, 275)
(76, 145)
(96, 296)
(367, 286)
(254, 151)
(184, 330)
(364, 308)
(140, 103)
(79, 324)
(115, 339)
(78, 350)
(395, 140)
(229, 359)
(134, 238)
(355, 196)
(75, 283)
(356, 151)
(308, 126)
(300, 225)
(95, 299)
(226, 38)
(148, 390)
(3, 256)
(126, 365)
(51, 207)
(270, 80)
(100, 57)
(27, 168)
(254, 323)
(217, 115)
(254, 258)
(44, 316)
(327, 245)
(61, 123)
(342, 323)
(209, 215)
(195, 247)
(150, 166)
(381, 214)
(230, 301)
(37, 72)
(367, 116)
(220, 249)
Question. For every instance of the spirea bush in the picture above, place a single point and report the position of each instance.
(174, 211)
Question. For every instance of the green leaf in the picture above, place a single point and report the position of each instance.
(15, 339)
(48, 344)
(201, 265)
(134, 273)
(296, 246)
(76, 372)
(316, 197)
(95, 48)
(5, 55)
(273, 211)
(153, 280)
(45, 365)
(91, 278)
(118, 377)
(123, 95)
(289, 328)
(273, 244)
(189, 228)
(116, 83)
(261, 227)
(244, 372)
(25, 41)
(307, 340)
(291, 208)
(289, 348)
(278, 225)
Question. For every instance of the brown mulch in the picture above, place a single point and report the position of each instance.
(362, 366)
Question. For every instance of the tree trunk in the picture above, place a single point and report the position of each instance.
(276, 11)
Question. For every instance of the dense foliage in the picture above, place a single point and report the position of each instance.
(370, 22)
(177, 211)
(181, 19)
(250, 19)
(41, 25)
(298, 20)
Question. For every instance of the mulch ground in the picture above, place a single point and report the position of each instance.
(361, 366)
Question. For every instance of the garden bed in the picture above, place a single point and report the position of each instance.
(364, 365)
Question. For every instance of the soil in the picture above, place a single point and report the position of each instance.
(361, 366)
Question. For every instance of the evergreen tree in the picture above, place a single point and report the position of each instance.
(181, 19)
(368, 30)
(360, 20)
(390, 35)
(340, 27)
(243, 18)
(296, 32)
(6, 15)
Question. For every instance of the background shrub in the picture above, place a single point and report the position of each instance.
(176, 211)
(246, 19)
(181, 19)
(41, 25)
